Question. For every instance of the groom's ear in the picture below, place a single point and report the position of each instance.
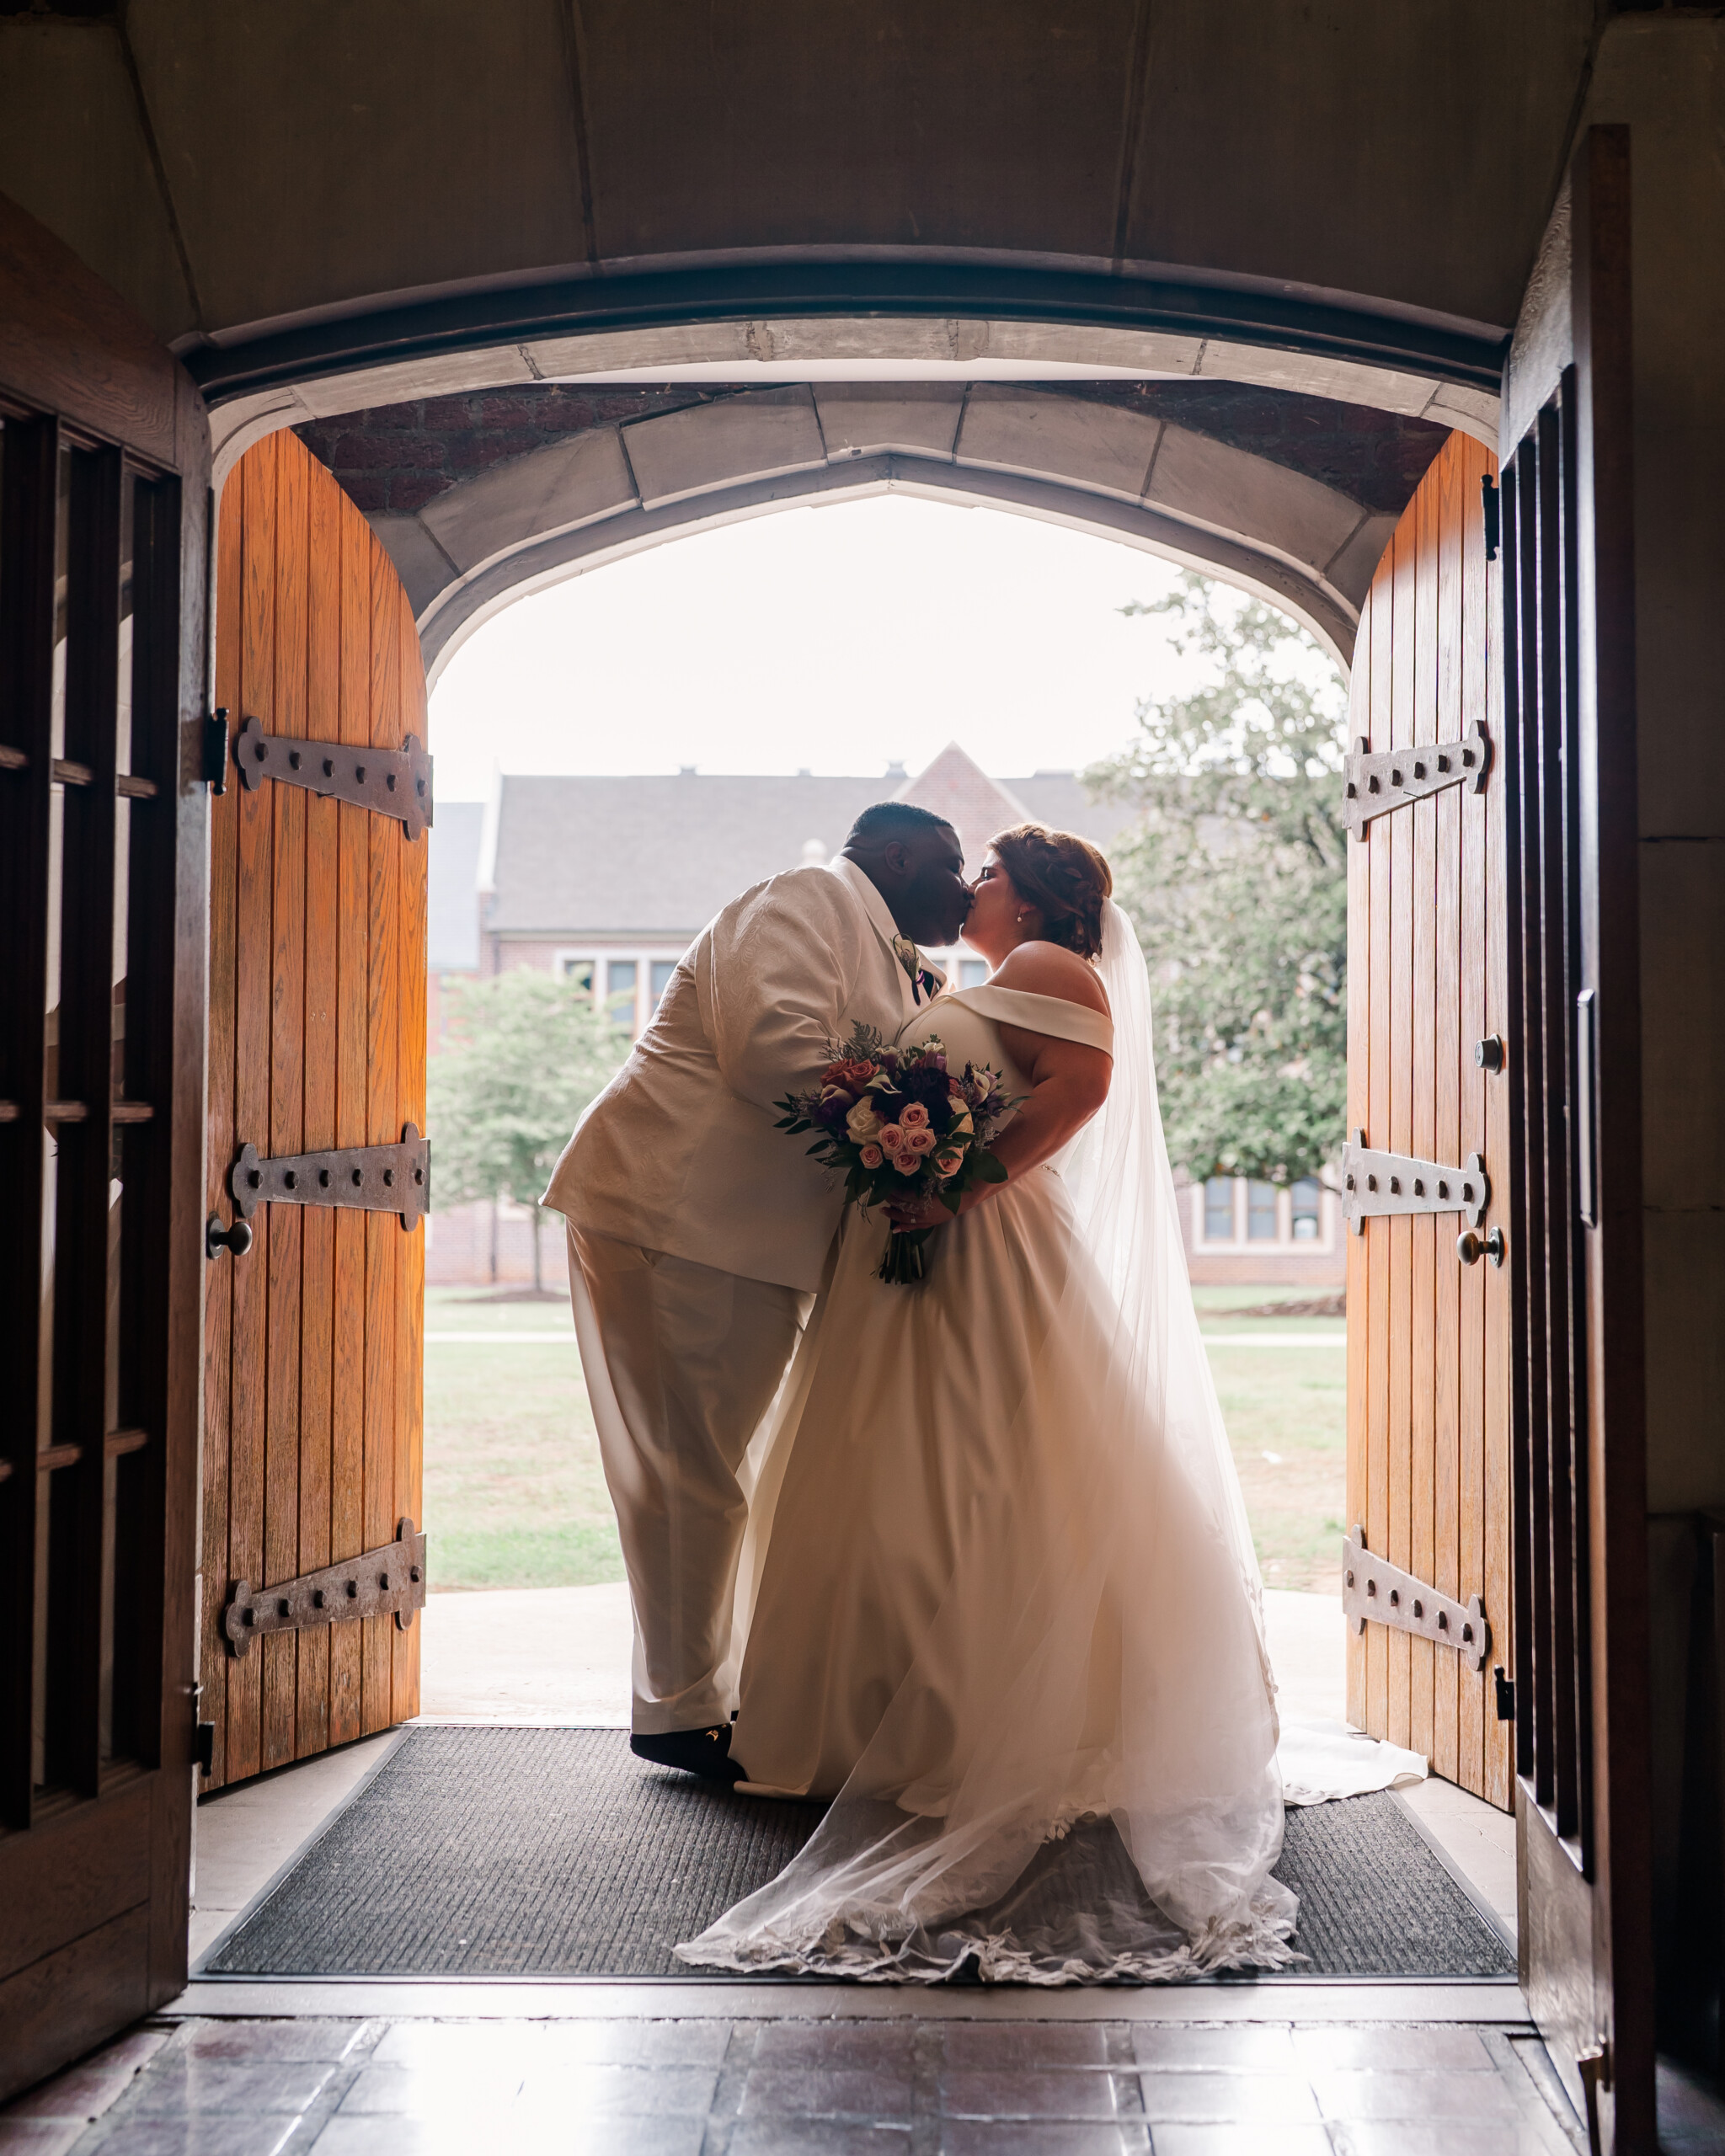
(896, 855)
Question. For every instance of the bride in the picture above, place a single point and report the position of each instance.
(1000, 1598)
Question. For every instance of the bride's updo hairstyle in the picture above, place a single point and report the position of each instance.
(1064, 878)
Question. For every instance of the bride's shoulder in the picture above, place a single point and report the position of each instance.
(1047, 969)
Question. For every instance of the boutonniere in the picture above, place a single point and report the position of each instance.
(924, 984)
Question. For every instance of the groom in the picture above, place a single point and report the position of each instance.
(697, 1231)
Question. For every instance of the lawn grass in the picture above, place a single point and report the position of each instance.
(516, 1496)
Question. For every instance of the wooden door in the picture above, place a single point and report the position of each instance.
(313, 1336)
(104, 518)
(1579, 1415)
(1428, 1335)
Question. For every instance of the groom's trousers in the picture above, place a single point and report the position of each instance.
(682, 1362)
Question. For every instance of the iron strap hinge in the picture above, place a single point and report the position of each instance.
(1376, 781)
(1387, 1595)
(1374, 1184)
(386, 1582)
(369, 1178)
(389, 782)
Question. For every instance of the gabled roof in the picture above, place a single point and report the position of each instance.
(656, 857)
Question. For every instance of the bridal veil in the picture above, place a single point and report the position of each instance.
(1076, 1778)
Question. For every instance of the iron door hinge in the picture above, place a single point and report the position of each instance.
(1385, 1594)
(388, 782)
(215, 770)
(369, 1178)
(389, 1581)
(1374, 1184)
(1376, 781)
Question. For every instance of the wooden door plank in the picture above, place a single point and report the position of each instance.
(251, 960)
(1476, 1021)
(347, 1520)
(317, 1232)
(1483, 595)
(287, 1126)
(1402, 908)
(1447, 1049)
(1360, 1044)
(1423, 1231)
(219, 1277)
(410, 1354)
(1378, 845)
(384, 1232)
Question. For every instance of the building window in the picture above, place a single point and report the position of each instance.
(1219, 1210)
(620, 990)
(1305, 1210)
(660, 977)
(578, 973)
(1261, 1212)
(972, 972)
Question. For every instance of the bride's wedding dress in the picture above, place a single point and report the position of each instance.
(1003, 1606)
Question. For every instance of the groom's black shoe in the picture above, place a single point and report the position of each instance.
(704, 1751)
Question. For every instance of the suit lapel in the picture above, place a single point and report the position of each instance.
(881, 921)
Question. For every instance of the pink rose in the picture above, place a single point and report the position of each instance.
(892, 1137)
(947, 1164)
(919, 1141)
(872, 1156)
(913, 1118)
(907, 1164)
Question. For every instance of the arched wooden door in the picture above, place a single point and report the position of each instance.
(313, 1397)
(1428, 1335)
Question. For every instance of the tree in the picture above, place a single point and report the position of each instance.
(526, 1053)
(1237, 882)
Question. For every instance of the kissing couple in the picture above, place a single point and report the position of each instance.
(967, 1558)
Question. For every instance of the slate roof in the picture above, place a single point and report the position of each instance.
(659, 856)
(452, 927)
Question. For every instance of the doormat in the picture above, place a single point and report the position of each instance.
(509, 1852)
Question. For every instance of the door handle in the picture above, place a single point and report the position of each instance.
(1471, 1246)
(236, 1240)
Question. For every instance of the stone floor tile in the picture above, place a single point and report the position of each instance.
(1246, 2049)
(633, 2043)
(1450, 2137)
(577, 2093)
(1007, 2094)
(463, 2086)
(193, 2087)
(994, 2047)
(793, 2136)
(1258, 2139)
(39, 2136)
(211, 2133)
(445, 2043)
(1365, 2093)
(85, 2091)
(879, 2044)
(1454, 2049)
(347, 2135)
(1040, 2138)
(1177, 2097)
(863, 2092)
(1688, 2102)
(256, 2042)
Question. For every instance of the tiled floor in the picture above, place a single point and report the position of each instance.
(840, 2086)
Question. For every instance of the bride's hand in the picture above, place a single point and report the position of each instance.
(909, 1212)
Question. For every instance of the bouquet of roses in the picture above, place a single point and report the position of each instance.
(897, 1124)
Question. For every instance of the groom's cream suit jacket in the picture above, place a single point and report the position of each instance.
(679, 1152)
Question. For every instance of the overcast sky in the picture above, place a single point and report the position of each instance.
(839, 638)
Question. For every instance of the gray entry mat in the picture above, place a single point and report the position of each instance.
(487, 1851)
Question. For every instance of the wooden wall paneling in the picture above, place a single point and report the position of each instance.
(317, 1227)
(347, 1515)
(1447, 1049)
(286, 1126)
(1422, 835)
(1403, 906)
(1377, 1231)
(410, 1352)
(1478, 1018)
(252, 938)
(1359, 1036)
(384, 1232)
(1497, 1524)
(219, 1149)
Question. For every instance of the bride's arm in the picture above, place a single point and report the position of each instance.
(1068, 1082)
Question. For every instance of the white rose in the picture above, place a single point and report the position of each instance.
(863, 1123)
